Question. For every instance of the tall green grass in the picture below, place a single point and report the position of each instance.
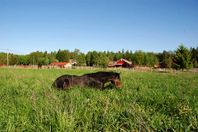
(147, 101)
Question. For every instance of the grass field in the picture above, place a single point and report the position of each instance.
(147, 101)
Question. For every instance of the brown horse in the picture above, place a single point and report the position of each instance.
(97, 80)
(105, 77)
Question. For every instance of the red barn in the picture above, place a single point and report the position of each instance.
(59, 64)
(122, 63)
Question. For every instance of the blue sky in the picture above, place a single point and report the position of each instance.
(49, 25)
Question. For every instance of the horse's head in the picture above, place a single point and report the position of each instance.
(116, 79)
(117, 83)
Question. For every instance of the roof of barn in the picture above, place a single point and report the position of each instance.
(122, 61)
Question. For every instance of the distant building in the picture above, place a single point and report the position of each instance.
(121, 63)
(2, 65)
(62, 64)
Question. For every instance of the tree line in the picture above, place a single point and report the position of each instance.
(181, 58)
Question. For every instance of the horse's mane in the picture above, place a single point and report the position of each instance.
(101, 72)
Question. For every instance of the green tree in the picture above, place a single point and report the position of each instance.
(92, 58)
(23, 59)
(52, 57)
(95, 57)
(63, 56)
(150, 59)
(182, 58)
(34, 57)
(194, 53)
(89, 59)
(128, 55)
(110, 55)
(80, 59)
(118, 55)
(3, 58)
(75, 53)
(102, 60)
(43, 61)
(13, 59)
(138, 57)
(167, 60)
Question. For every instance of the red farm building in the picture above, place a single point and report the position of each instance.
(59, 64)
(121, 63)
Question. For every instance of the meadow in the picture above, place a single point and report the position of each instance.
(147, 101)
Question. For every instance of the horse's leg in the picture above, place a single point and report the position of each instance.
(112, 82)
(116, 83)
(99, 84)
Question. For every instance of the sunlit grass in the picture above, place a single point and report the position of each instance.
(147, 101)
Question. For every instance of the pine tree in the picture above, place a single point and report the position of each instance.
(182, 58)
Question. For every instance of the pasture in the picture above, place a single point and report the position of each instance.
(147, 101)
